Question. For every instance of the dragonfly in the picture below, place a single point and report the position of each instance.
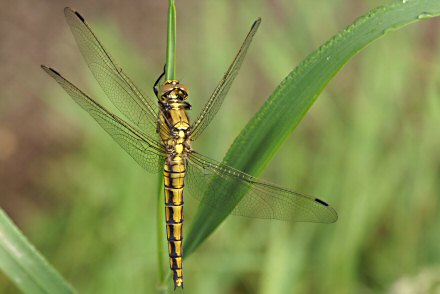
(158, 134)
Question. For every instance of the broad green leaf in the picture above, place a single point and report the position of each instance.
(21, 262)
(280, 115)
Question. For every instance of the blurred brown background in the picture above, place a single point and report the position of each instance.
(31, 132)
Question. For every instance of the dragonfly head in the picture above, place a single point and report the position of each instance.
(173, 90)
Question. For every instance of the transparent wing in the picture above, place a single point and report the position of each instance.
(218, 185)
(218, 96)
(147, 152)
(117, 86)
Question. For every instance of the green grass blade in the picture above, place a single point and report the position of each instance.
(276, 120)
(24, 265)
(160, 225)
(170, 72)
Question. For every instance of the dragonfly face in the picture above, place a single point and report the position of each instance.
(173, 90)
(158, 138)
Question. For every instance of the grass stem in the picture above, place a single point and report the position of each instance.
(160, 236)
(170, 71)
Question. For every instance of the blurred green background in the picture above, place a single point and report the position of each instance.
(369, 146)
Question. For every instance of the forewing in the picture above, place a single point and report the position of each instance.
(147, 152)
(218, 96)
(221, 187)
(117, 86)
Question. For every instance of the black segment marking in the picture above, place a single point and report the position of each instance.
(173, 187)
(321, 202)
(173, 250)
(256, 22)
(172, 233)
(174, 264)
(172, 222)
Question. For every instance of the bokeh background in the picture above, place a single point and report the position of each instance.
(370, 146)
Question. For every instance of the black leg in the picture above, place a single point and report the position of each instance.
(157, 83)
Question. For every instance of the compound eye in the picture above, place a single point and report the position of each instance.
(183, 92)
(183, 89)
(165, 89)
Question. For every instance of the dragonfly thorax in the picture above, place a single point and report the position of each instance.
(178, 144)
(175, 119)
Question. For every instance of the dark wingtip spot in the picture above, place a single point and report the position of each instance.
(80, 16)
(47, 69)
(321, 202)
(257, 22)
(55, 72)
(67, 10)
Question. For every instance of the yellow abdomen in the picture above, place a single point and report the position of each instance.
(174, 175)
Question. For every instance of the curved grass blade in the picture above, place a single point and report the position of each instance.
(276, 120)
(21, 262)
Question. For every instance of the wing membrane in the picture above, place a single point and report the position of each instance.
(218, 96)
(217, 185)
(147, 152)
(117, 86)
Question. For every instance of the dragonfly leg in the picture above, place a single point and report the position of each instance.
(157, 83)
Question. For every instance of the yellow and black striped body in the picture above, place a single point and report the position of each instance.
(174, 174)
(177, 143)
